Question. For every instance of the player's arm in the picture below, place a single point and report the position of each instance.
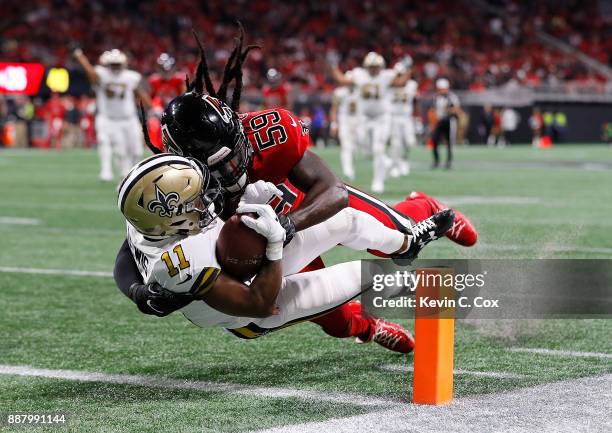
(400, 80)
(258, 299)
(92, 75)
(326, 195)
(402, 72)
(340, 77)
(150, 298)
(333, 116)
(143, 95)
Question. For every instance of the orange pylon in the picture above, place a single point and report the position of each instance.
(434, 338)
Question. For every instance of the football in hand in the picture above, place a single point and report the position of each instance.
(240, 250)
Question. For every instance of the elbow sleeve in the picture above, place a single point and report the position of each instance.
(126, 271)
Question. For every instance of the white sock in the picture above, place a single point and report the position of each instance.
(366, 232)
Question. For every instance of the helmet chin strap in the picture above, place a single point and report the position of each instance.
(239, 185)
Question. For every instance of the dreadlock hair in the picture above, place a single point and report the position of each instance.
(231, 71)
(202, 80)
(145, 130)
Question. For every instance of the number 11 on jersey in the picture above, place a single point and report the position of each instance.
(183, 263)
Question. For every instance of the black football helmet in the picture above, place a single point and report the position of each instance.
(207, 129)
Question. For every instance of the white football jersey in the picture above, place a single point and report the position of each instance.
(115, 92)
(403, 99)
(374, 91)
(183, 264)
(347, 100)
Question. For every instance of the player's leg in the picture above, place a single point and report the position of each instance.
(384, 214)
(105, 150)
(360, 231)
(452, 139)
(416, 207)
(410, 143)
(436, 136)
(323, 297)
(347, 145)
(349, 227)
(461, 232)
(344, 321)
(396, 146)
(130, 145)
(308, 294)
(121, 147)
(380, 135)
(135, 140)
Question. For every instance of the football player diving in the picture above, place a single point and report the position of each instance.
(272, 146)
(171, 204)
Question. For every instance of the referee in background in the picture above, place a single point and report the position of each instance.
(446, 105)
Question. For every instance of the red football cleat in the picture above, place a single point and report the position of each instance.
(462, 231)
(389, 335)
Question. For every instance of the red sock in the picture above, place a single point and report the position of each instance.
(418, 209)
(344, 321)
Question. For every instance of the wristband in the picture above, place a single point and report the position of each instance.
(287, 223)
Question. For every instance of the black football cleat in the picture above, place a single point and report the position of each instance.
(424, 232)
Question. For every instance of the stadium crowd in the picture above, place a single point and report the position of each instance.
(473, 46)
(477, 45)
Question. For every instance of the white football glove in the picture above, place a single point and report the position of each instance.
(259, 192)
(266, 225)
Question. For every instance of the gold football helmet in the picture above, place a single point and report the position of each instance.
(167, 195)
(113, 57)
(373, 60)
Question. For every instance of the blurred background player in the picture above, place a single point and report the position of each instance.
(345, 124)
(446, 105)
(277, 92)
(373, 83)
(55, 112)
(536, 123)
(404, 109)
(117, 126)
(165, 85)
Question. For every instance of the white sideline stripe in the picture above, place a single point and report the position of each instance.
(20, 221)
(548, 248)
(70, 272)
(62, 206)
(566, 406)
(493, 374)
(570, 353)
(169, 383)
(469, 199)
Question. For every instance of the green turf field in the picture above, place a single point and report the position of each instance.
(56, 215)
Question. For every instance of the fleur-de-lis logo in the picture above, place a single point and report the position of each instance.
(163, 204)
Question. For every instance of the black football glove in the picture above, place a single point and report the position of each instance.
(155, 300)
(289, 227)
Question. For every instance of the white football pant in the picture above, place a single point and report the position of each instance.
(403, 137)
(377, 131)
(348, 135)
(118, 140)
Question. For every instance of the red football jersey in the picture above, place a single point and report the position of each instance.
(277, 96)
(164, 89)
(279, 140)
